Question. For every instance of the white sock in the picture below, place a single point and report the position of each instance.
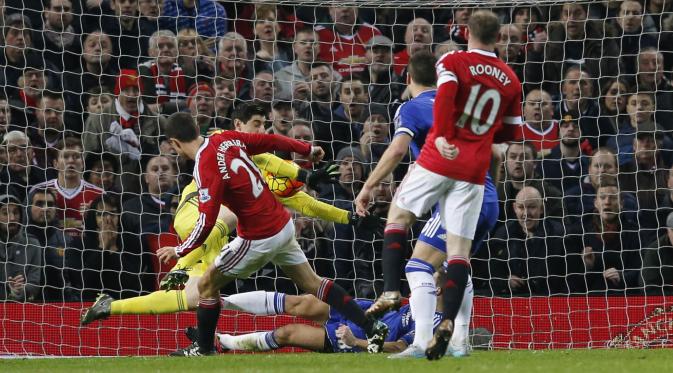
(260, 341)
(256, 302)
(423, 300)
(461, 329)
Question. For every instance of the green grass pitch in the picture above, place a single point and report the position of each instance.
(575, 361)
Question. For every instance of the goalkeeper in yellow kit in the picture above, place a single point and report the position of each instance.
(195, 263)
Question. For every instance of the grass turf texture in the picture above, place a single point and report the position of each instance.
(483, 361)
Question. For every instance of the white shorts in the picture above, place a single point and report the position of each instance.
(241, 258)
(459, 202)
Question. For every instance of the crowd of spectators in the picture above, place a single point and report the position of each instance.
(87, 182)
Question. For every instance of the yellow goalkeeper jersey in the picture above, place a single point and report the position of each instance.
(188, 213)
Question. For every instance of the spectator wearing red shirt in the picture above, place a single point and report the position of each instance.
(343, 42)
(539, 128)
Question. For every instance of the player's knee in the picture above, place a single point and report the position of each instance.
(398, 215)
(205, 287)
(284, 334)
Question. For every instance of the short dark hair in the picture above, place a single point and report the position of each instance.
(181, 127)
(484, 25)
(69, 142)
(527, 145)
(421, 68)
(50, 95)
(318, 64)
(246, 110)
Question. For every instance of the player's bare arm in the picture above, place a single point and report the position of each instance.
(389, 161)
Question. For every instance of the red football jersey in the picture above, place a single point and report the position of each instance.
(72, 205)
(478, 102)
(542, 140)
(346, 52)
(226, 175)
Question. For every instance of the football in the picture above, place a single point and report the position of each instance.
(282, 186)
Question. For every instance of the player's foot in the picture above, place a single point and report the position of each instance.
(98, 311)
(222, 341)
(388, 301)
(458, 351)
(411, 352)
(191, 350)
(377, 337)
(174, 279)
(440, 341)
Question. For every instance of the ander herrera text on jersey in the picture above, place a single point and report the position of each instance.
(225, 175)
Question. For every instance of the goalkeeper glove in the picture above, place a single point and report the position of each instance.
(325, 174)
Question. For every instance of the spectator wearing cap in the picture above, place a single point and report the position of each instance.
(20, 255)
(207, 17)
(59, 35)
(163, 80)
(646, 176)
(96, 69)
(19, 174)
(640, 109)
(282, 116)
(577, 92)
(375, 133)
(127, 129)
(342, 42)
(271, 53)
(384, 85)
(657, 273)
(293, 80)
(417, 37)
(565, 165)
(539, 128)
(612, 243)
(201, 104)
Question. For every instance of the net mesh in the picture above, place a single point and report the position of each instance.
(89, 187)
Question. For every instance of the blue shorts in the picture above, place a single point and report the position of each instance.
(434, 234)
(336, 320)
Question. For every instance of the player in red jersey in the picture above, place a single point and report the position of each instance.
(73, 194)
(478, 102)
(225, 174)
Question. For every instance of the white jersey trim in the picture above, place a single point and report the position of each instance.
(513, 120)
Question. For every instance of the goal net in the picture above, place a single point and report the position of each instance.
(581, 254)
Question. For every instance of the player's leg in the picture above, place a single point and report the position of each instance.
(419, 191)
(292, 335)
(333, 294)
(460, 210)
(274, 303)
(459, 345)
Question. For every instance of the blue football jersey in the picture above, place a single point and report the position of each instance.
(414, 118)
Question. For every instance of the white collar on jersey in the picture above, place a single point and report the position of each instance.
(483, 52)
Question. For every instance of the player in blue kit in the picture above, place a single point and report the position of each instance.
(337, 333)
(413, 121)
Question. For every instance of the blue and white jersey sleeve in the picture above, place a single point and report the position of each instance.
(405, 123)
